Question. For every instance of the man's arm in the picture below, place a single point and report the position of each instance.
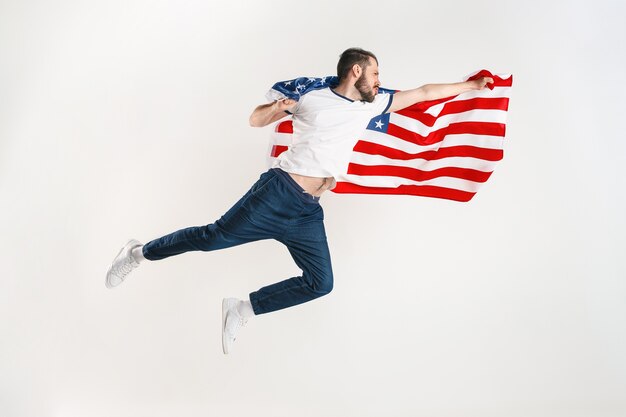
(428, 92)
(268, 113)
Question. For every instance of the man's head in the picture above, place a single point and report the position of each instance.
(359, 67)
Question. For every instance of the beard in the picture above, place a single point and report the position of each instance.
(367, 93)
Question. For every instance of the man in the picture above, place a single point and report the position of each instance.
(284, 203)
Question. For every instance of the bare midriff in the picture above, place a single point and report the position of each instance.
(314, 185)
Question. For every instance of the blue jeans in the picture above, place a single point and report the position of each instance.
(276, 207)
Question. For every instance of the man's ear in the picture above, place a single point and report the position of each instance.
(357, 70)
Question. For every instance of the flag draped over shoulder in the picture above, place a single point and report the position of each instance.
(443, 148)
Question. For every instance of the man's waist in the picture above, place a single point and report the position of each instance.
(314, 185)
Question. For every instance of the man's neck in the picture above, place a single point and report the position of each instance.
(348, 90)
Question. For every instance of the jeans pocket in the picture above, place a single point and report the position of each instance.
(261, 186)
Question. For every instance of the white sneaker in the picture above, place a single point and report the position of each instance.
(231, 323)
(123, 263)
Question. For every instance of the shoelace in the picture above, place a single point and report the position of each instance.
(123, 269)
(240, 323)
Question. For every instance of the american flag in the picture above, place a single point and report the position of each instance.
(443, 148)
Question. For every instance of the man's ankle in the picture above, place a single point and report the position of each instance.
(244, 308)
(138, 254)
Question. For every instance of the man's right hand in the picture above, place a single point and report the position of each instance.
(285, 104)
(271, 112)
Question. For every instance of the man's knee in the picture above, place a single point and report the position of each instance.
(322, 282)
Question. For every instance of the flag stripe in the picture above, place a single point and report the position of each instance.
(498, 81)
(434, 106)
(278, 149)
(488, 142)
(461, 162)
(455, 107)
(478, 115)
(416, 190)
(452, 151)
(285, 127)
(475, 128)
(418, 174)
(395, 182)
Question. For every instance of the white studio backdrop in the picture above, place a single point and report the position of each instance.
(128, 119)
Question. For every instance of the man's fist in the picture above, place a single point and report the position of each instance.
(285, 104)
(481, 82)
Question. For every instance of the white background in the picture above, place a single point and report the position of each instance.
(125, 119)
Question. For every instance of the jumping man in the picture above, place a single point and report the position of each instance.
(284, 203)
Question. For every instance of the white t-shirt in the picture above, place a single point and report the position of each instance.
(326, 126)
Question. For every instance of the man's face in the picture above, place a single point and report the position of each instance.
(367, 84)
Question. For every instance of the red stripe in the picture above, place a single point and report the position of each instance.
(453, 107)
(476, 103)
(418, 114)
(285, 127)
(417, 190)
(475, 128)
(277, 150)
(497, 81)
(422, 106)
(418, 174)
(464, 151)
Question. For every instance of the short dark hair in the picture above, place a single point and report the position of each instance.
(352, 56)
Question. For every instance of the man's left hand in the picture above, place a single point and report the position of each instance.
(481, 82)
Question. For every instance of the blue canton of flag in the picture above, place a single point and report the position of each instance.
(379, 123)
(298, 87)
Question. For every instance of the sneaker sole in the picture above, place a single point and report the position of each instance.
(224, 311)
(106, 280)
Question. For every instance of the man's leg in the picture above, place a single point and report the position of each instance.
(308, 247)
(298, 221)
(238, 226)
(307, 244)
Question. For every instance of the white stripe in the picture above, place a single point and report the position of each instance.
(393, 182)
(497, 92)
(480, 141)
(421, 164)
(414, 125)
